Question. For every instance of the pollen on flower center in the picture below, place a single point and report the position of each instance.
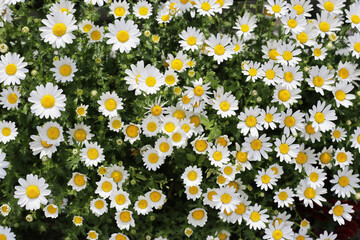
(191, 40)
(309, 193)
(251, 121)
(338, 210)
(325, 158)
(256, 144)
(255, 216)
(287, 55)
(87, 28)
(106, 186)
(292, 23)
(143, 11)
(288, 77)
(219, 49)
(120, 11)
(284, 95)
(116, 124)
(217, 156)
(95, 35)
(120, 199)
(153, 158)
(329, 6)
(324, 26)
(59, 29)
(343, 181)
(164, 147)
(357, 47)
(283, 196)
(47, 101)
(194, 190)
(150, 81)
(176, 137)
(245, 28)
(99, 204)
(269, 117)
(6, 131)
(225, 198)
(277, 234)
(276, 8)
(92, 153)
(80, 135)
(65, 70)
(273, 53)
(123, 36)
(205, 6)
(142, 204)
(177, 64)
(125, 216)
(314, 177)
(12, 98)
(11, 69)
(79, 180)
(343, 73)
(265, 179)
(155, 196)
(32, 191)
(302, 37)
(284, 148)
(198, 214)
(51, 209)
(192, 176)
(289, 121)
(53, 133)
(224, 106)
(319, 117)
(132, 131)
(318, 81)
(198, 91)
(252, 72)
(301, 158)
(299, 9)
(355, 19)
(270, 74)
(110, 104)
(156, 110)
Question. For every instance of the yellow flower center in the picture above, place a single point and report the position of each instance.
(125, 216)
(314, 177)
(120, 199)
(95, 35)
(219, 49)
(324, 26)
(228, 170)
(329, 6)
(198, 214)
(116, 124)
(222, 141)
(265, 179)
(81, 111)
(177, 64)
(120, 11)
(302, 37)
(79, 180)
(355, 19)
(277, 234)
(47, 101)
(221, 2)
(156, 110)
(338, 210)
(284, 148)
(123, 36)
(153, 158)
(292, 23)
(284, 95)
(343, 73)
(270, 74)
(151, 126)
(205, 6)
(309, 129)
(164, 147)
(319, 117)
(288, 77)
(80, 135)
(256, 144)
(92, 153)
(53, 133)
(341, 157)
(225, 198)
(357, 47)
(142, 204)
(11, 69)
(186, 128)
(245, 28)
(325, 158)
(301, 158)
(150, 81)
(92, 235)
(45, 144)
(273, 53)
(299, 9)
(110, 104)
(65, 70)
(289, 121)
(317, 52)
(217, 156)
(276, 8)
(155, 196)
(165, 17)
(237, 47)
(191, 40)
(241, 156)
(59, 29)
(132, 131)
(195, 120)
(170, 79)
(192, 176)
(6, 131)
(240, 209)
(275, 170)
(169, 127)
(269, 117)
(116, 176)
(52, 209)
(336, 134)
(106, 186)
(250, 121)
(252, 72)
(318, 81)
(211, 194)
(99, 204)
(283, 196)
(224, 106)
(194, 190)
(310, 193)
(343, 181)
(77, 220)
(143, 11)
(32, 191)
(340, 95)
(87, 28)
(176, 137)
(221, 179)
(12, 98)
(287, 55)
(255, 216)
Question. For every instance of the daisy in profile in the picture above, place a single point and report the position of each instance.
(10, 98)
(341, 92)
(284, 197)
(156, 198)
(226, 198)
(321, 79)
(120, 9)
(51, 211)
(3, 164)
(124, 35)
(124, 219)
(341, 212)
(109, 103)
(142, 206)
(92, 154)
(278, 231)
(207, 7)
(265, 179)
(255, 217)
(78, 181)
(257, 147)
(142, 9)
(119, 199)
(98, 206)
(277, 8)
(63, 6)
(47, 101)
(250, 121)
(178, 62)
(6, 233)
(192, 176)
(326, 24)
(245, 25)
(58, 29)
(284, 96)
(322, 117)
(8, 131)
(12, 69)
(151, 79)
(132, 132)
(152, 160)
(95, 2)
(191, 39)
(291, 122)
(197, 217)
(219, 47)
(32, 192)
(64, 70)
(133, 74)
(309, 195)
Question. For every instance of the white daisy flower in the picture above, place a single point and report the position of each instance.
(58, 29)
(105, 187)
(326, 24)
(250, 121)
(92, 235)
(118, 174)
(151, 79)
(92, 154)
(315, 176)
(284, 96)
(327, 236)
(81, 110)
(47, 101)
(345, 182)
(354, 45)
(321, 79)
(288, 55)
(51, 133)
(109, 104)
(163, 146)
(331, 6)
(322, 117)
(86, 25)
(229, 172)
(142, 9)
(8, 131)
(32, 192)
(307, 37)
(179, 139)
(277, 169)
(292, 121)
(120, 9)
(253, 71)
(353, 15)
(293, 22)
(348, 72)
(132, 132)
(290, 77)
(308, 132)
(199, 92)
(142, 206)
(286, 149)
(51, 211)
(197, 217)
(342, 95)
(191, 39)
(117, 236)
(218, 155)
(78, 181)
(319, 52)
(152, 160)
(207, 7)
(284, 197)
(42, 147)
(178, 62)
(278, 231)
(338, 134)
(96, 34)
(305, 157)
(115, 124)
(133, 74)
(269, 117)
(309, 195)
(245, 25)
(10, 98)
(12, 69)
(219, 47)
(64, 69)
(3, 164)
(226, 198)
(171, 78)
(6, 232)
(302, 7)
(277, 8)
(124, 219)
(98, 206)
(119, 199)
(265, 179)
(193, 192)
(81, 133)
(192, 176)
(271, 73)
(124, 35)
(255, 217)
(208, 197)
(343, 158)
(156, 198)
(63, 6)
(257, 147)
(5, 209)
(341, 212)
(355, 139)
(270, 50)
